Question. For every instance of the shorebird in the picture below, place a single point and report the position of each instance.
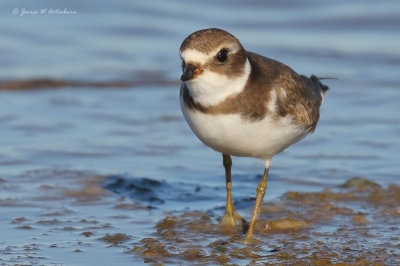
(243, 104)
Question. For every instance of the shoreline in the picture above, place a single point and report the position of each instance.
(46, 83)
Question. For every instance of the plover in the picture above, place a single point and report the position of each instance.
(240, 103)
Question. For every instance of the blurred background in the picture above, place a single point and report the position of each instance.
(93, 87)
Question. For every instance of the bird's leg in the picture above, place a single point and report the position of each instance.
(261, 188)
(231, 217)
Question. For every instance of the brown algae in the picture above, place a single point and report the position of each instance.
(115, 239)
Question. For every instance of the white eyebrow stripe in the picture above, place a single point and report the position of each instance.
(191, 55)
(195, 56)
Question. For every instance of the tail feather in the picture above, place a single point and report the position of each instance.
(316, 81)
(315, 85)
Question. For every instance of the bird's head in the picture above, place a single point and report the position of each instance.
(213, 60)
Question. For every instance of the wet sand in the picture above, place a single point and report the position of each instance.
(353, 224)
(64, 222)
(356, 224)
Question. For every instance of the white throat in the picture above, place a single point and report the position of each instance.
(211, 88)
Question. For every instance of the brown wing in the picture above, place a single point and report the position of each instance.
(297, 95)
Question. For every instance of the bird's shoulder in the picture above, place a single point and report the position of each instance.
(295, 94)
(270, 73)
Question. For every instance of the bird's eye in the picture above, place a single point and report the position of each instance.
(222, 55)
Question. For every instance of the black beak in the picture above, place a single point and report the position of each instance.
(190, 71)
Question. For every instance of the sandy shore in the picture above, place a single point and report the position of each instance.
(356, 223)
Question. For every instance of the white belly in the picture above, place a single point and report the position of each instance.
(230, 134)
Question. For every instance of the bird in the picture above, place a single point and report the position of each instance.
(243, 104)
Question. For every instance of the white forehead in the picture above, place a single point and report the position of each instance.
(195, 56)
(191, 55)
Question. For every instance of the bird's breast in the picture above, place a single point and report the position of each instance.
(231, 134)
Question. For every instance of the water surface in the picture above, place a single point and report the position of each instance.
(112, 160)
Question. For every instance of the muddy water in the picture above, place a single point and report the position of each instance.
(317, 228)
(99, 168)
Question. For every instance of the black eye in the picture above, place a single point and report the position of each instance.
(222, 55)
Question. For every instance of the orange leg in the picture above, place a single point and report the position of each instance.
(231, 218)
(261, 188)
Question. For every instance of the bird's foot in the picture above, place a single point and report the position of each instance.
(232, 221)
(250, 240)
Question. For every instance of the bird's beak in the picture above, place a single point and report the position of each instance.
(190, 71)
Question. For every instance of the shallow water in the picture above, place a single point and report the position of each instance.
(82, 162)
